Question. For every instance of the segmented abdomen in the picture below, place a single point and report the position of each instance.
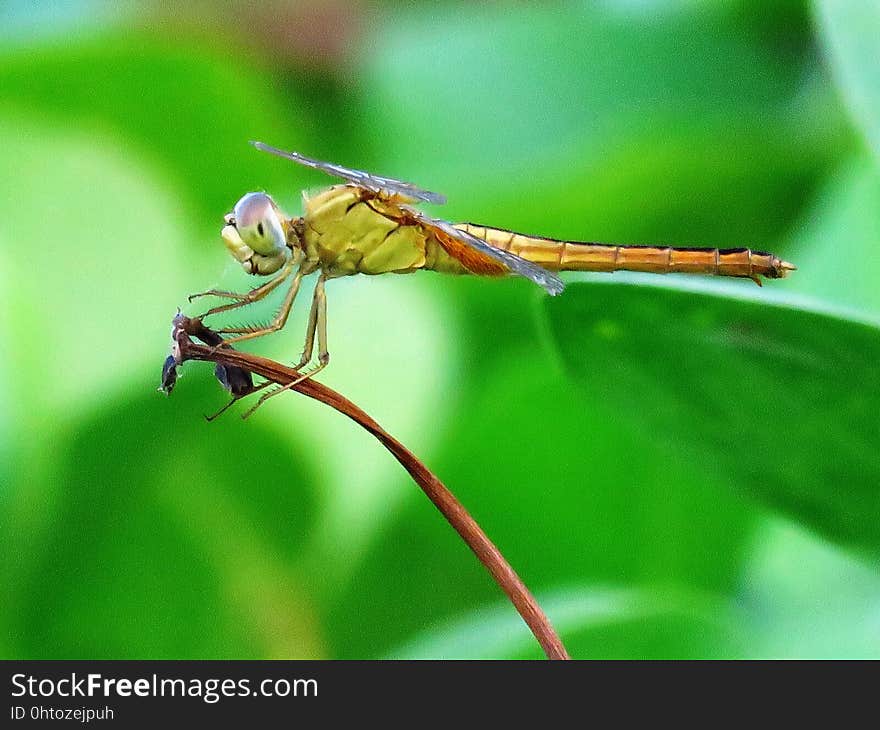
(577, 256)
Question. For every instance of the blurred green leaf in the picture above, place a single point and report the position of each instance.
(778, 401)
(183, 107)
(808, 598)
(165, 538)
(7, 381)
(849, 31)
(685, 64)
(838, 242)
(100, 248)
(593, 623)
(655, 127)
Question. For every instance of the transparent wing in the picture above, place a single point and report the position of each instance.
(515, 264)
(383, 186)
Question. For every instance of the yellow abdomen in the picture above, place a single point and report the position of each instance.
(577, 256)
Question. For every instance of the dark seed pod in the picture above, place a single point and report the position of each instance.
(169, 375)
(234, 379)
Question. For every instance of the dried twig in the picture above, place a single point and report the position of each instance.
(234, 370)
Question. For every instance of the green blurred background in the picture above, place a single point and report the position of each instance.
(676, 467)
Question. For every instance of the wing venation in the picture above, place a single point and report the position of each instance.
(382, 186)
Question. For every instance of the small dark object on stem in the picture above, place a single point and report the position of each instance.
(237, 381)
(238, 367)
(169, 375)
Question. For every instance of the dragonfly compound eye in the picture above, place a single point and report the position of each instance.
(258, 222)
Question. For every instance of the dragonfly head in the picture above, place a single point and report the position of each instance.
(255, 234)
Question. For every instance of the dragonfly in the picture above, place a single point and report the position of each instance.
(369, 224)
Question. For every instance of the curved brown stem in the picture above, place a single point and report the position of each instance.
(443, 499)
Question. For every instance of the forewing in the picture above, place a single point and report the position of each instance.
(513, 263)
(382, 186)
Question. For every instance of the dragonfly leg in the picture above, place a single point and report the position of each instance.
(241, 300)
(309, 345)
(280, 319)
(317, 324)
(235, 400)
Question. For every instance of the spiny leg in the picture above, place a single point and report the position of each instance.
(280, 319)
(317, 322)
(241, 300)
(235, 400)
